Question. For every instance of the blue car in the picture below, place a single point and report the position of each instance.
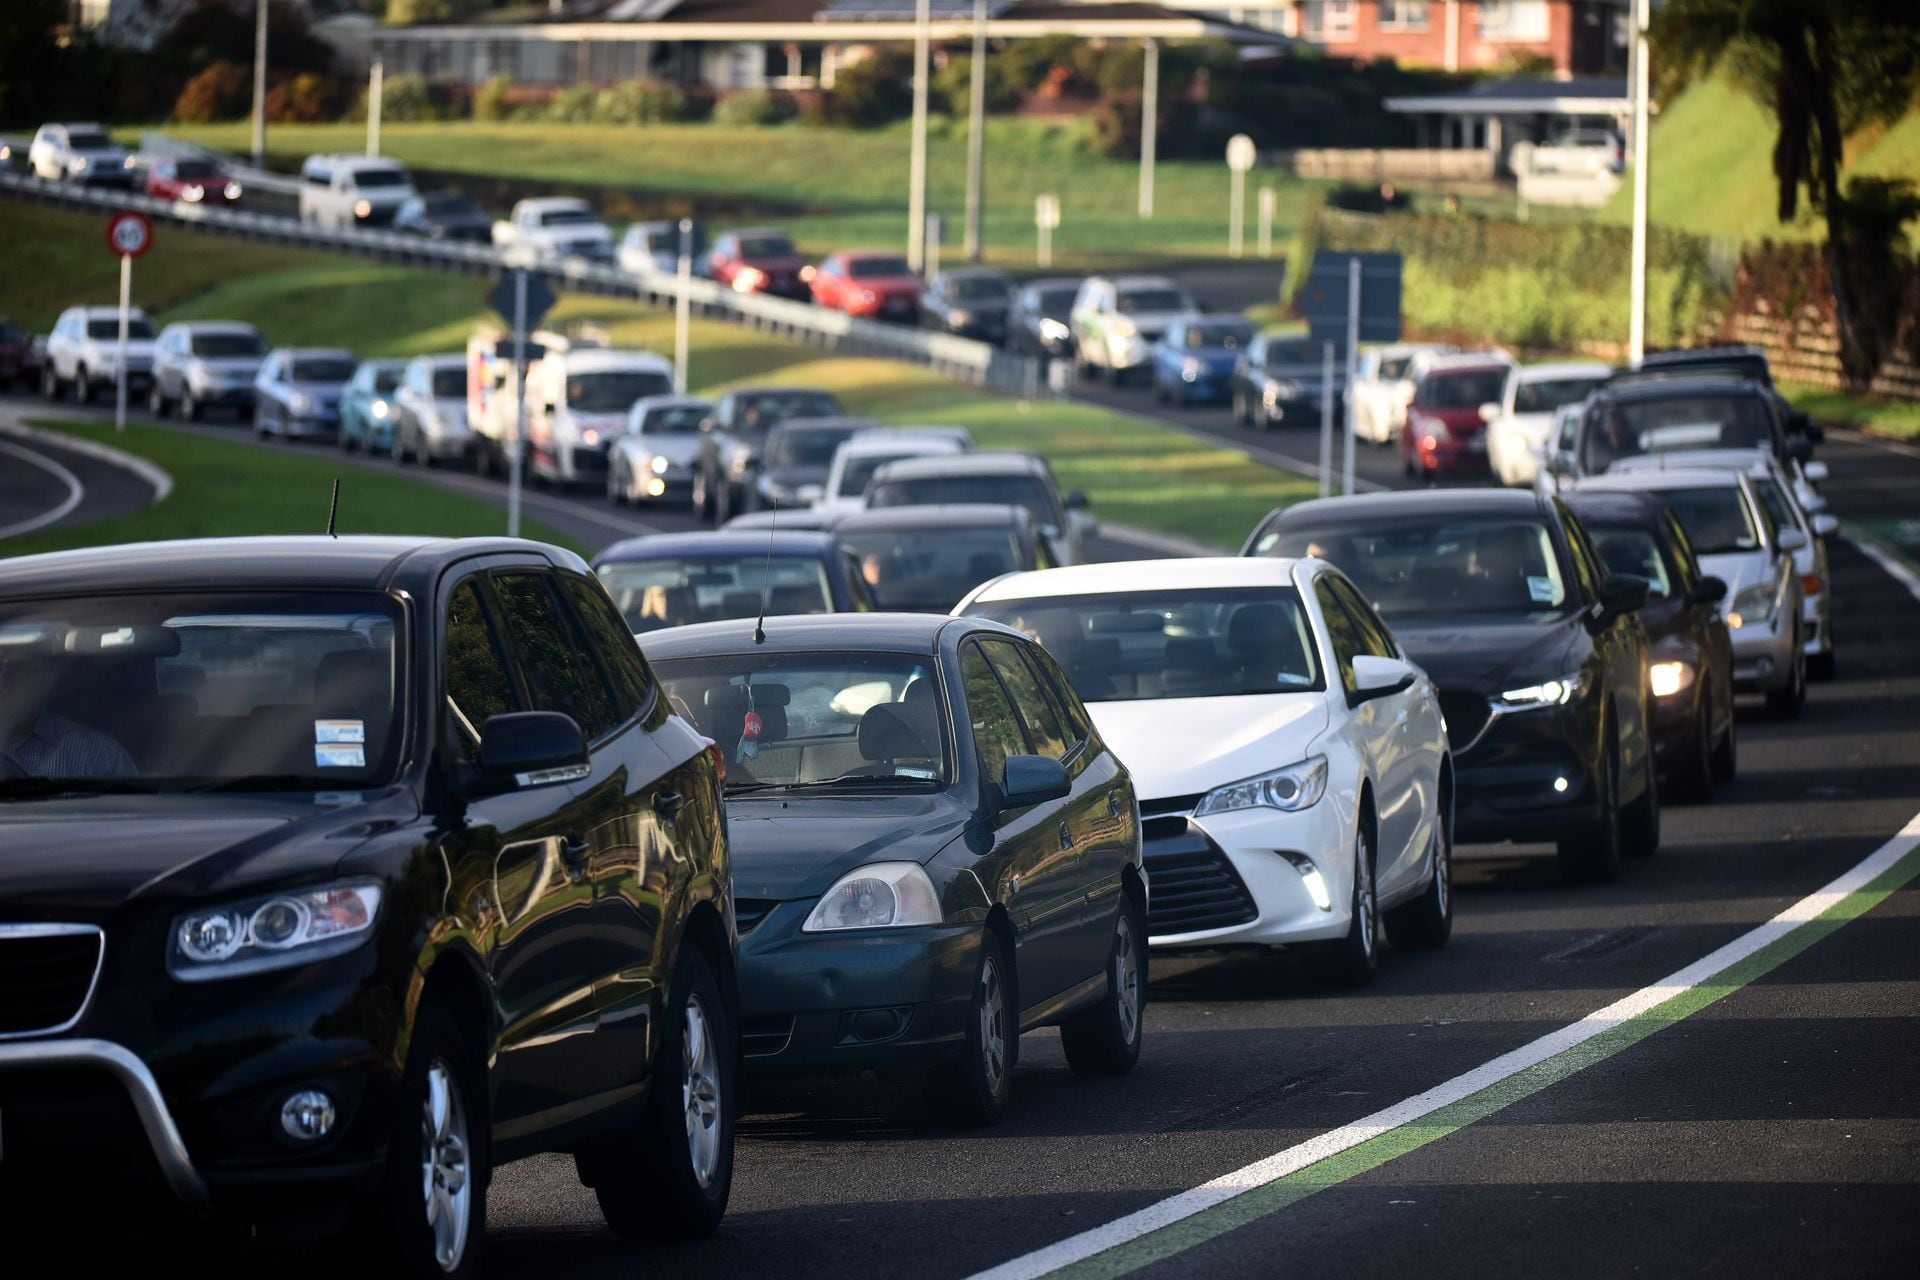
(1194, 362)
(674, 579)
(367, 408)
(933, 849)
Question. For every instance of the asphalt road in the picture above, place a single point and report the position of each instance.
(44, 486)
(1776, 1131)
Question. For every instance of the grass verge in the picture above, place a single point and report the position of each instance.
(1898, 419)
(227, 488)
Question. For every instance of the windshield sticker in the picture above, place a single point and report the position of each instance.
(329, 756)
(902, 771)
(339, 731)
(1541, 589)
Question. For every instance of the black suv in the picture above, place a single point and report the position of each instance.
(339, 872)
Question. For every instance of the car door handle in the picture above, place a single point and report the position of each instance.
(667, 803)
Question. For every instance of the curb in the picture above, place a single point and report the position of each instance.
(148, 473)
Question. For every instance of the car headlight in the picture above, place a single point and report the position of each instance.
(963, 316)
(589, 437)
(868, 296)
(1191, 369)
(1281, 389)
(747, 279)
(660, 466)
(1548, 693)
(233, 191)
(129, 163)
(877, 896)
(1053, 330)
(192, 192)
(1122, 328)
(271, 932)
(300, 402)
(380, 409)
(1757, 604)
(1669, 678)
(1296, 787)
(362, 208)
(81, 164)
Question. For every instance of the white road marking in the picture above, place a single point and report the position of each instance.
(75, 491)
(1886, 560)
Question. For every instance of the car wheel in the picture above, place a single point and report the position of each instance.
(156, 403)
(1242, 413)
(1640, 832)
(1427, 921)
(1105, 1040)
(1593, 856)
(189, 407)
(669, 1178)
(723, 503)
(616, 493)
(1726, 755)
(701, 500)
(260, 422)
(82, 386)
(49, 382)
(1693, 776)
(1785, 703)
(1351, 961)
(973, 1089)
(435, 1188)
(343, 438)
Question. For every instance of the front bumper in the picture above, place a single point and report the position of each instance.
(320, 423)
(854, 1000)
(239, 396)
(1227, 880)
(1306, 410)
(571, 463)
(1763, 656)
(1454, 455)
(1522, 777)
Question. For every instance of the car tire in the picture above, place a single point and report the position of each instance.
(1640, 829)
(669, 1178)
(1427, 922)
(343, 439)
(82, 386)
(1593, 856)
(260, 423)
(616, 495)
(438, 1136)
(1351, 961)
(1693, 776)
(1785, 704)
(1105, 1040)
(50, 382)
(700, 500)
(1726, 755)
(972, 1090)
(189, 408)
(1241, 413)
(156, 403)
(723, 504)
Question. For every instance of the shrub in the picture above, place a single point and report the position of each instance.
(640, 102)
(952, 87)
(403, 99)
(307, 98)
(753, 107)
(221, 92)
(873, 91)
(574, 104)
(1044, 64)
(491, 100)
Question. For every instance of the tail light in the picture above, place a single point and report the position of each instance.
(719, 759)
(1810, 584)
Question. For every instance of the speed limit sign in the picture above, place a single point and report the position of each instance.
(129, 234)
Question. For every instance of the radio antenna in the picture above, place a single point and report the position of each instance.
(766, 577)
(333, 508)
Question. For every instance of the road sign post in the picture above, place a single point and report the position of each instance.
(1267, 203)
(1326, 419)
(683, 307)
(1353, 370)
(1241, 154)
(129, 235)
(522, 298)
(936, 232)
(1046, 217)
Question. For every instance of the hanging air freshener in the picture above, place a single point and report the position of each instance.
(749, 747)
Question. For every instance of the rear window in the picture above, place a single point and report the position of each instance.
(676, 591)
(137, 327)
(1717, 520)
(322, 369)
(1031, 492)
(379, 178)
(875, 268)
(1133, 301)
(88, 140)
(1673, 425)
(1467, 390)
(450, 382)
(928, 570)
(227, 344)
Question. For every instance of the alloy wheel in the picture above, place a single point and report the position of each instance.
(1442, 868)
(700, 1092)
(1126, 977)
(1363, 893)
(447, 1191)
(993, 1025)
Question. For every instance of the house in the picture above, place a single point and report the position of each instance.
(1578, 37)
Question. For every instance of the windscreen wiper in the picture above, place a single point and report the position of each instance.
(42, 788)
(847, 780)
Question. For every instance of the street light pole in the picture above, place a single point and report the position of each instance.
(376, 91)
(977, 135)
(1637, 275)
(917, 164)
(1149, 125)
(260, 84)
(682, 308)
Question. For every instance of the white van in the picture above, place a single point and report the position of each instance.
(577, 403)
(352, 191)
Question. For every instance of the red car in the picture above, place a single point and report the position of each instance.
(191, 179)
(19, 359)
(877, 286)
(759, 261)
(1446, 430)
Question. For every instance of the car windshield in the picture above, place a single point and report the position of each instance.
(1230, 335)
(161, 691)
(1294, 353)
(1778, 504)
(1467, 390)
(764, 410)
(674, 591)
(857, 470)
(1672, 425)
(1394, 368)
(822, 720)
(1716, 519)
(1548, 394)
(195, 169)
(228, 344)
(873, 268)
(322, 369)
(980, 288)
(1031, 492)
(1438, 563)
(1211, 643)
(1135, 301)
(766, 247)
(88, 140)
(386, 379)
(379, 178)
(927, 570)
(137, 327)
(449, 206)
(674, 420)
(450, 382)
(1635, 551)
(1054, 302)
(568, 218)
(805, 446)
(614, 390)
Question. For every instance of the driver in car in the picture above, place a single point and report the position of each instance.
(38, 742)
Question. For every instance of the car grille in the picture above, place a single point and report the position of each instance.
(749, 912)
(46, 974)
(1467, 716)
(1191, 884)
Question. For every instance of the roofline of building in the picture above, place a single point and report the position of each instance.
(1498, 106)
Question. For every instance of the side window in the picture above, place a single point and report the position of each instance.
(1036, 710)
(1072, 711)
(1340, 630)
(475, 672)
(1689, 575)
(996, 727)
(863, 601)
(612, 642)
(1375, 639)
(1586, 563)
(546, 647)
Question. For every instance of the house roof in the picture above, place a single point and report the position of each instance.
(1522, 97)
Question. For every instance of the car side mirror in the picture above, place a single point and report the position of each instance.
(1815, 472)
(1032, 780)
(1825, 526)
(1375, 677)
(1078, 500)
(1800, 448)
(1489, 411)
(1792, 540)
(1709, 590)
(1622, 593)
(525, 749)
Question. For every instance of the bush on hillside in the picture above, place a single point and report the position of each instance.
(403, 100)
(221, 92)
(871, 92)
(491, 101)
(308, 98)
(574, 104)
(749, 108)
(640, 102)
(1044, 65)
(951, 89)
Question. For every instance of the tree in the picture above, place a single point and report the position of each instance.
(1825, 69)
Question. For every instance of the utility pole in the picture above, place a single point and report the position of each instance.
(917, 164)
(682, 307)
(1637, 274)
(1149, 126)
(259, 84)
(376, 91)
(977, 135)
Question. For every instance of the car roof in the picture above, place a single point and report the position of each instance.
(1366, 506)
(293, 561)
(1677, 385)
(1562, 369)
(1757, 461)
(943, 515)
(975, 273)
(847, 424)
(1468, 362)
(556, 202)
(444, 358)
(1049, 283)
(673, 402)
(111, 311)
(1126, 577)
(1704, 355)
(584, 359)
(917, 633)
(298, 352)
(1124, 283)
(992, 463)
(1655, 481)
(214, 326)
(864, 446)
(699, 543)
(780, 389)
(1637, 507)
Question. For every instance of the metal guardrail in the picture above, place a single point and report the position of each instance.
(962, 358)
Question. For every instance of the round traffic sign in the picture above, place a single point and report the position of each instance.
(129, 234)
(1241, 153)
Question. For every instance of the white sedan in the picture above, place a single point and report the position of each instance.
(1291, 765)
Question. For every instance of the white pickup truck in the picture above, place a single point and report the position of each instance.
(556, 227)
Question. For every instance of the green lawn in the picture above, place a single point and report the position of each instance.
(1884, 417)
(833, 188)
(225, 488)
